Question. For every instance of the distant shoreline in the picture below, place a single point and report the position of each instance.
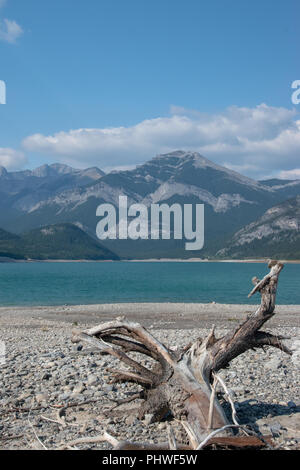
(196, 260)
(150, 260)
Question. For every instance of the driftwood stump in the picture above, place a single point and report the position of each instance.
(183, 383)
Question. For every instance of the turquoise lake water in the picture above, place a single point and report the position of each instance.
(92, 283)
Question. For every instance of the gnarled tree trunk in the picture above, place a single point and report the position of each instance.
(182, 383)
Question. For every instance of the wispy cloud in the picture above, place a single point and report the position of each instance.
(10, 30)
(12, 159)
(256, 141)
(290, 174)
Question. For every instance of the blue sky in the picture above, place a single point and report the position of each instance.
(112, 82)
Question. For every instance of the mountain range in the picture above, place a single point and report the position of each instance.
(234, 204)
(274, 235)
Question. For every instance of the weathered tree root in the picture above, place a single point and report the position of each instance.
(180, 383)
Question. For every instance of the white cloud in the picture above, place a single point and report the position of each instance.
(290, 174)
(12, 159)
(258, 141)
(10, 31)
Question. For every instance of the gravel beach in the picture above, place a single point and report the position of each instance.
(43, 371)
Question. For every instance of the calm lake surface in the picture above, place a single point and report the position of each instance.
(92, 283)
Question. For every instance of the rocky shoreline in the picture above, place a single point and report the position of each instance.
(54, 392)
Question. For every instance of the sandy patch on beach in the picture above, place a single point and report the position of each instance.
(158, 315)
